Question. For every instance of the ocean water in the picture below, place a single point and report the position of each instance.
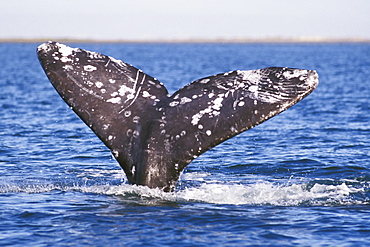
(299, 179)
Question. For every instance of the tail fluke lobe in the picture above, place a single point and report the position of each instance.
(152, 135)
(214, 109)
(116, 100)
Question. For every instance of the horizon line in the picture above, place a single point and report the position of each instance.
(193, 40)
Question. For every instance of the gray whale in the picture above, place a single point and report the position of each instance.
(153, 135)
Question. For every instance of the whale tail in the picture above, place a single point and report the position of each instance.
(154, 135)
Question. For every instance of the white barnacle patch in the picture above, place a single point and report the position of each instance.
(253, 88)
(89, 68)
(183, 133)
(114, 94)
(174, 103)
(204, 81)
(112, 81)
(177, 137)
(127, 113)
(65, 59)
(151, 82)
(136, 119)
(44, 47)
(212, 110)
(217, 103)
(129, 132)
(118, 62)
(115, 153)
(115, 100)
(289, 74)
(255, 82)
(135, 134)
(215, 113)
(110, 137)
(130, 96)
(99, 84)
(146, 94)
(241, 85)
(123, 90)
(196, 118)
(241, 103)
(208, 132)
(194, 96)
(211, 95)
(65, 50)
(200, 126)
(248, 75)
(185, 100)
(103, 90)
(89, 83)
(256, 112)
(233, 129)
(95, 55)
(68, 67)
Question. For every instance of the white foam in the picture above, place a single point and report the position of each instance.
(261, 193)
(266, 193)
(194, 176)
(214, 192)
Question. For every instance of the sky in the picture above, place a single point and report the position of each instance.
(135, 20)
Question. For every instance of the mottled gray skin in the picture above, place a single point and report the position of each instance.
(154, 135)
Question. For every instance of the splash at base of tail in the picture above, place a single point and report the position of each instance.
(153, 135)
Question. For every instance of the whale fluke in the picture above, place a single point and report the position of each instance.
(154, 135)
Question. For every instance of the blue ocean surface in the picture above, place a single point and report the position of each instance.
(300, 179)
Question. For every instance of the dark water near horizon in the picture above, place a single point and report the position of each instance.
(299, 179)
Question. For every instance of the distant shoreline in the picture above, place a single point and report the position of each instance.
(303, 40)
